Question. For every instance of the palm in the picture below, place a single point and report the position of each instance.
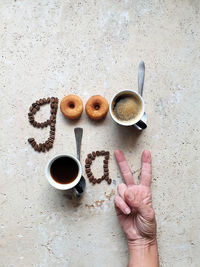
(140, 222)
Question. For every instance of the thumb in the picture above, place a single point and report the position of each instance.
(130, 198)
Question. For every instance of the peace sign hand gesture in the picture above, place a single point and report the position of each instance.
(134, 204)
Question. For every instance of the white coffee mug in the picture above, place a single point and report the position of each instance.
(138, 120)
(59, 185)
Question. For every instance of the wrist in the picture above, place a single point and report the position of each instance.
(141, 243)
(143, 253)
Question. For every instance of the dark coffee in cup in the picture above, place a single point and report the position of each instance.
(64, 170)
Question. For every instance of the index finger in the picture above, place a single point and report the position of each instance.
(146, 168)
(123, 166)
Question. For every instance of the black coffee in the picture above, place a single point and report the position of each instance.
(64, 170)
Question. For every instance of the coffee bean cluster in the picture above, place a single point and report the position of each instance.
(53, 101)
(88, 162)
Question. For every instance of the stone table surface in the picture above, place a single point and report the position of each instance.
(53, 48)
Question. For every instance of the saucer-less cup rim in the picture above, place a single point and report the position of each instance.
(132, 122)
(58, 185)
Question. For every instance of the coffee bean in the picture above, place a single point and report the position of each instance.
(93, 154)
(94, 181)
(44, 100)
(107, 157)
(37, 107)
(45, 123)
(34, 105)
(102, 152)
(38, 125)
(43, 148)
(50, 145)
(89, 174)
(87, 161)
(52, 132)
(51, 139)
(52, 99)
(47, 146)
(31, 108)
(99, 180)
(39, 148)
(30, 114)
(106, 170)
(87, 171)
(35, 147)
(98, 153)
(48, 122)
(48, 100)
(56, 100)
(51, 117)
(33, 143)
(89, 155)
(105, 161)
(30, 140)
(105, 166)
(52, 105)
(38, 102)
(109, 181)
(55, 106)
(107, 178)
(52, 127)
(87, 165)
(92, 158)
(107, 153)
(31, 119)
(34, 110)
(41, 101)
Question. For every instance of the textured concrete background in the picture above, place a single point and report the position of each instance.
(53, 48)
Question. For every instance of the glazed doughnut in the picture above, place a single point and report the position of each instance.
(96, 107)
(71, 106)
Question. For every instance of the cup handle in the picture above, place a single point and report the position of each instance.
(141, 124)
(79, 189)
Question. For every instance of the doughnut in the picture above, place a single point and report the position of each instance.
(96, 107)
(71, 106)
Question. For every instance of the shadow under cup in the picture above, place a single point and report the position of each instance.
(63, 172)
(127, 101)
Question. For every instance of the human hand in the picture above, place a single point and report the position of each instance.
(134, 204)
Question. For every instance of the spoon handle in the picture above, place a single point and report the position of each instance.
(78, 136)
(141, 71)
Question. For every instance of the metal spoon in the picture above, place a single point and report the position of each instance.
(141, 73)
(80, 187)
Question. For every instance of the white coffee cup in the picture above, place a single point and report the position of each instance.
(59, 185)
(137, 121)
